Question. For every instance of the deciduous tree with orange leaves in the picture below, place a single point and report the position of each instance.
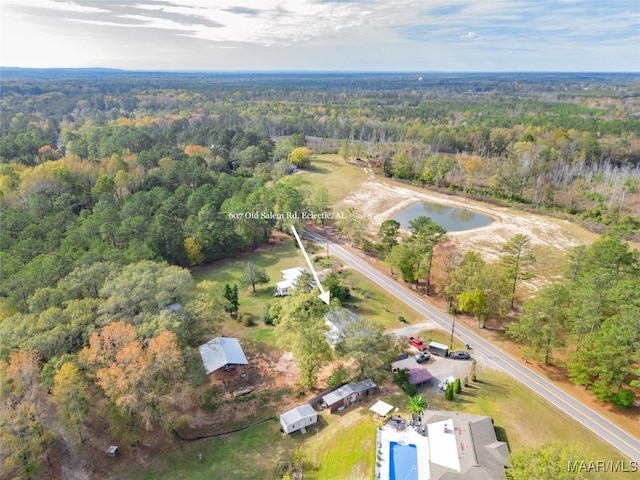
(143, 381)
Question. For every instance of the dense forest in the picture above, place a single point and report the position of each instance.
(111, 182)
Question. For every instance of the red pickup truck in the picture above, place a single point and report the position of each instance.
(417, 343)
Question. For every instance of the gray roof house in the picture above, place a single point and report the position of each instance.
(220, 352)
(464, 447)
(298, 418)
(347, 394)
(337, 319)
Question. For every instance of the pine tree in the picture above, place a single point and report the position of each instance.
(448, 393)
(457, 386)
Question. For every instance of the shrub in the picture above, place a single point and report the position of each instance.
(401, 377)
(448, 393)
(410, 389)
(401, 319)
(246, 319)
(457, 387)
(265, 316)
(624, 398)
(338, 377)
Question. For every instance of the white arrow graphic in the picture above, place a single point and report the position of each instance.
(325, 296)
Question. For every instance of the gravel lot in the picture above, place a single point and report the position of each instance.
(442, 368)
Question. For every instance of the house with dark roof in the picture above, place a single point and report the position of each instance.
(418, 375)
(348, 394)
(464, 447)
(222, 352)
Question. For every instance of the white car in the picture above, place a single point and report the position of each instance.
(443, 384)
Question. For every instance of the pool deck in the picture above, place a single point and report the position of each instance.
(408, 435)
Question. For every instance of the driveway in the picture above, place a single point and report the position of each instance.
(626, 443)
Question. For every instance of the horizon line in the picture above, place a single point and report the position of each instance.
(312, 71)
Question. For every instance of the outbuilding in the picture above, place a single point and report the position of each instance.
(222, 352)
(298, 418)
(417, 374)
(348, 394)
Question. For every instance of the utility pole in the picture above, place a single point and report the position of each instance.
(453, 327)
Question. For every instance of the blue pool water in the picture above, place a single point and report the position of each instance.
(452, 219)
(404, 462)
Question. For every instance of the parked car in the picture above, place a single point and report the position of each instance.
(417, 343)
(422, 357)
(460, 355)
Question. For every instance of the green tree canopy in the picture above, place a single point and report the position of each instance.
(254, 275)
(368, 346)
(300, 329)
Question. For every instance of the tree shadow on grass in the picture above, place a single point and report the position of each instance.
(315, 168)
(466, 392)
(489, 385)
(359, 306)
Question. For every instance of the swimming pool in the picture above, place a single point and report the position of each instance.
(404, 461)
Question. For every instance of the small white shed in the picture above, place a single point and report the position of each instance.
(298, 418)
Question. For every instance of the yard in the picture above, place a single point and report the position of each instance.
(345, 448)
(524, 419)
(253, 453)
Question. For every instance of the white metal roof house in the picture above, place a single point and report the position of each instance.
(298, 418)
(348, 394)
(221, 352)
(289, 278)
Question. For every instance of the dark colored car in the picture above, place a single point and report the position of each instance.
(460, 355)
(422, 357)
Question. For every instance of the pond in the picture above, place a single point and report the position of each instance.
(452, 219)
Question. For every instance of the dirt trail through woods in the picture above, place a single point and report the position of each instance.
(381, 199)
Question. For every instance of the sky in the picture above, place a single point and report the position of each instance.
(323, 35)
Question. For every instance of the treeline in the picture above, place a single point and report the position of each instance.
(126, 208)
(589, 323)
(96, 307)
(108, 342)
(562, 142)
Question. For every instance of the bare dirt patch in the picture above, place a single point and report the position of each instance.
(381, 199)
(271, 376)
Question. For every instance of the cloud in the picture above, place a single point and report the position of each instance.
(418, 31)
(471, 36)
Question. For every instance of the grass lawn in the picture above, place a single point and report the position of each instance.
(253, 453)
(279, 255)
(371, 302)
(524, 419)
(344, 449)
(331, 172)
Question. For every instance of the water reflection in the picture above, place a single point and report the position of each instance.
(451, 219)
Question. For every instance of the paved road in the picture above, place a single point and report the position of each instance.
(608, 431)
